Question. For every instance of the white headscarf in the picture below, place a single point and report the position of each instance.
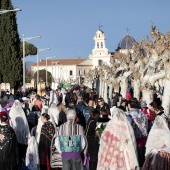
(38, 130)
(32, 156)
(53, 97)
(159, 137)
(54, 113)
(19, 123)
(117, 145)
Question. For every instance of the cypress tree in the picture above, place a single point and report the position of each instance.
(10, 58)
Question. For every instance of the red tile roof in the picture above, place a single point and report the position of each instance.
(74, 61)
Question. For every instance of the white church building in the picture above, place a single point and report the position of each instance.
(70, 70)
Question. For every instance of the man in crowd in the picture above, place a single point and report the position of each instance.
(71, 142)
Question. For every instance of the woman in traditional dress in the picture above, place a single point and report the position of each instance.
(158, 146)
(54, 113)
(47, 133)
(19, 123)
(9, 158)
(117, 145)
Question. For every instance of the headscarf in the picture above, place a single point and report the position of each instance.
(32, 157)
(19, 123)
(117, 145)
(53, 97)
(159, 137)
(54, 113)
(38, 130)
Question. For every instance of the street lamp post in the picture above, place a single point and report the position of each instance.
(55, 75)
(3, 11)
(39, 50)
(46, 69)
(23, 60)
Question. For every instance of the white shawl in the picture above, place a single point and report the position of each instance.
(117, 145)
(159, 137)
(19, 123)
(32, 157)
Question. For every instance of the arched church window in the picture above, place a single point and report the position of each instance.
(99, 35)
(97, 45)
(79, 72)
(101, 45)
(71, 72)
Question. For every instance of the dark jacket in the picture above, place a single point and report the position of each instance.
(93, 143)
(81, 106)
(105, 106)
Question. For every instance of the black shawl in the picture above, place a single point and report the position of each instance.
(9, 158)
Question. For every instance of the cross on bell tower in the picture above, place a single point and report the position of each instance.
(100, 26)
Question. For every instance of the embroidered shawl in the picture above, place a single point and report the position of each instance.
(6, 134)
(117, 145)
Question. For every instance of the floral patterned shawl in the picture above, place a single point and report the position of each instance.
(117, 146)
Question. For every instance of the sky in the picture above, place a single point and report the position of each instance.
(68, 26)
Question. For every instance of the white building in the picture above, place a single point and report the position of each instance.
(70, 70)
(65, 70)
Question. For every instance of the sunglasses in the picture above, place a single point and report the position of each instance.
(99, 101)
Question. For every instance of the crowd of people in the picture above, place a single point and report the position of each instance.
(75, 129)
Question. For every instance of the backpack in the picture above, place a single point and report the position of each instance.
(71, 143)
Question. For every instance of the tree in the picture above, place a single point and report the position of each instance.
(11, 63)
(30, 49)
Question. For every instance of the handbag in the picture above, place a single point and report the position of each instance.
(55, 156)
